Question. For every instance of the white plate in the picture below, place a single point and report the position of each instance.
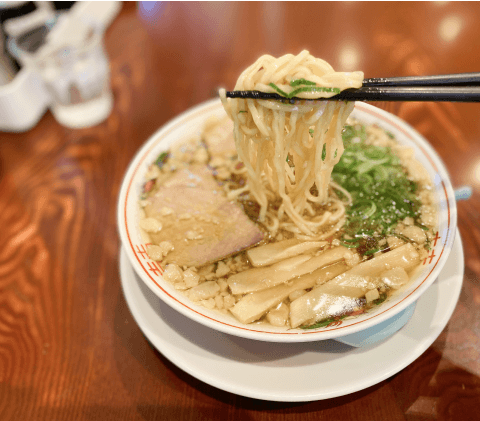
(291, 371)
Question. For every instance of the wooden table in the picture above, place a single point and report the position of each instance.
(69, 347)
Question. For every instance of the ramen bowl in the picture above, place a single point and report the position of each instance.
(191, 123)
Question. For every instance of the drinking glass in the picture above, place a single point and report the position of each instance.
(75, 68)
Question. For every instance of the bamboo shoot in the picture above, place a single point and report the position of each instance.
(258, 279)
(341, 294)
(269, 254)
(255, 305)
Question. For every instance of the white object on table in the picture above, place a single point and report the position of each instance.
(23, 101)
(101, 12)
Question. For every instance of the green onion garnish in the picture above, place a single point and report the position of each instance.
(351, 246)
(370, 252)
(381, 192)
(381, 299)
(162, 158)
(324, 322)
(312, 89)
(303, 89)
(302, 81)
(278, 90)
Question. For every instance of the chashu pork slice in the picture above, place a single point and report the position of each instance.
(198, 219)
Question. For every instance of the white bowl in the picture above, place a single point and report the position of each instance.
(181, 129)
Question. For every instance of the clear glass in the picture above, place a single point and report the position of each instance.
(76, 75)
(78, 78)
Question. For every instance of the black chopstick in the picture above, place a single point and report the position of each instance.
(456, 79)
(409, 93)
(461, 87)
(420, 93)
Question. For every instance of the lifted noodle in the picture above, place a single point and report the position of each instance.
(270, 136)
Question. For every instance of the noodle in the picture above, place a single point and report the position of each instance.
(270, 136)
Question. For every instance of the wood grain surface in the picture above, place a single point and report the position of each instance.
(69, 347)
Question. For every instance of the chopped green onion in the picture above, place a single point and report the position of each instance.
(423, 227)
(278, 89)
(370, 165)
(351, 246)
(380, 173)
(312, 89)
(303, 89)
(302, 81)
(401, 236)
(377, 152)
(381, 299)
(162, 158)
(366, 180)
(382, 195)
(324, 322)
(350, 240)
